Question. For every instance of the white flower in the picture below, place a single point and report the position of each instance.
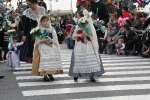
(34, 30)
(9, 24)
(12, 30)
(82, 20)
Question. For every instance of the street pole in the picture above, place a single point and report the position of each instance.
(118, 3)
(50, 5)
(71, 9)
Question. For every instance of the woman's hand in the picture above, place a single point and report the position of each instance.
(82, 35)
(100, 22)
(43, 41)
(116, 45)
(113, 38)
(49, 42)
(24, 38)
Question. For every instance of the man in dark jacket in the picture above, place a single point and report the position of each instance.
(101, 11)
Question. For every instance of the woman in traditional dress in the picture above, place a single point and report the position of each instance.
(32, 15)
(85, 60)
(46, 56)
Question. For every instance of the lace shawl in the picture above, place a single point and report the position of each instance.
(29, 13)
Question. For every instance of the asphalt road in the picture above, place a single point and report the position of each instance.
(126, 78)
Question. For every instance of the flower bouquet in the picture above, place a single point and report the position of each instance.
(11, 32)
(35, 32)
(84, 25)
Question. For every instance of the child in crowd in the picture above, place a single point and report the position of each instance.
(120, 47)
(69, 40)
(13, 60)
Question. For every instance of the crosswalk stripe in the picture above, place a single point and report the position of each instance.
(109, 57)
(112, 60)
(131, 63)
(29, 72)
(129, 97)
(66, 70)
(105, 64)
(125, 60)
(37, 77)
(101, 80)
(85, 89)
(105, 74)
(23, 68)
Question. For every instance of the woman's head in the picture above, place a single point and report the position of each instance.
(124, 9)
(80, 14)
(32, 3)
(61, 17)
(1, 7)
(132, 15)
(110, 25)
(119, 13)
(57, 24)
(144, 15)
(69, 17)
(126, 27)
(121, 40)
(138, 15)
(127, 22)
(45, 21)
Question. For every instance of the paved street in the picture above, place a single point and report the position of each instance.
(126, 78)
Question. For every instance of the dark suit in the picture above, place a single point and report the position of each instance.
(102, 13)
(129, 40)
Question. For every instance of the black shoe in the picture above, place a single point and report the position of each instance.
(70, 47)
(135, 54)
(51, 77)
(92, 79)
(127, 53)
(145, 56)
(75, 79)
(1, 77)
(46, 78)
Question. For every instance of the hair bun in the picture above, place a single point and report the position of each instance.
(33, 1)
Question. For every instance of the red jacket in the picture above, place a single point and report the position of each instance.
(126, 16)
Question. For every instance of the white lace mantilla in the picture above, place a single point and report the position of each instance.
(29, 13)
(86, 60)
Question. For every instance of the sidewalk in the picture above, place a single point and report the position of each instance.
(63, 46)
